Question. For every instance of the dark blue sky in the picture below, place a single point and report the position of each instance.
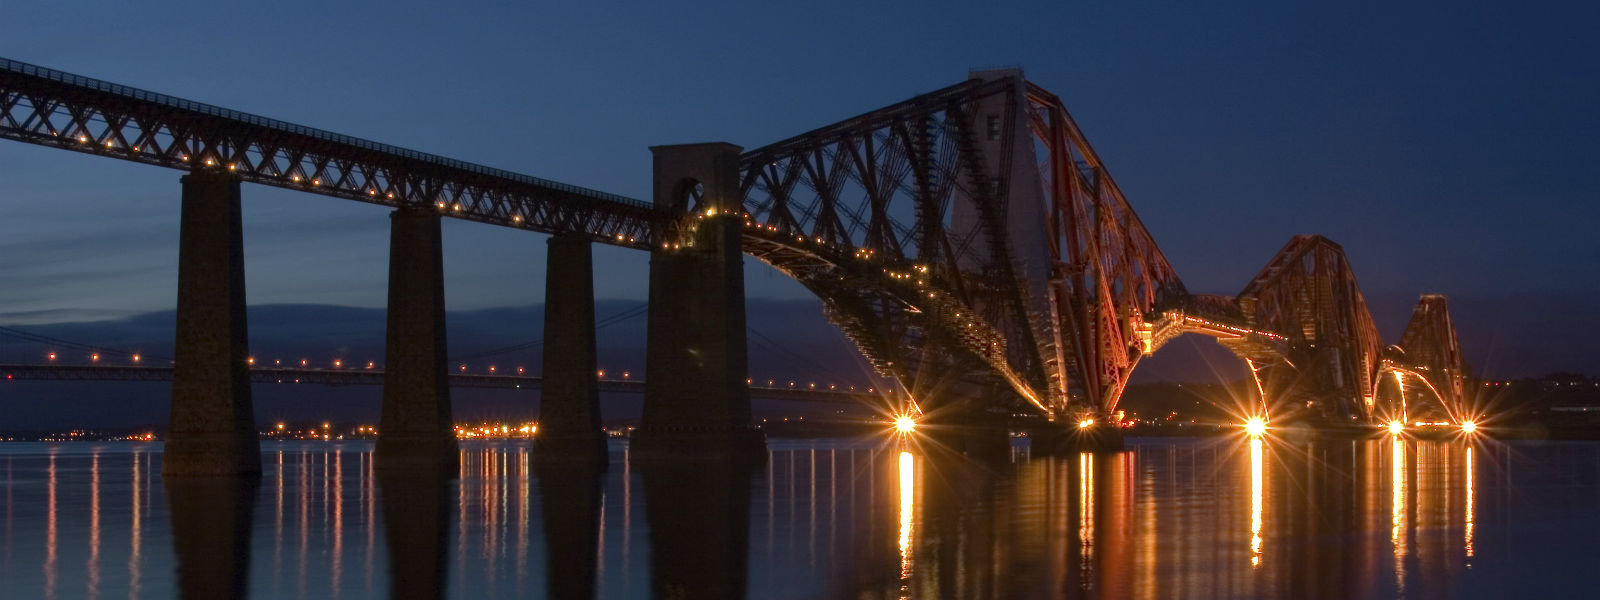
(1448, 147)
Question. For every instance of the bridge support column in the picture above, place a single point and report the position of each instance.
(415, 431)
(212, 428)
(697, 397)
(569, 399)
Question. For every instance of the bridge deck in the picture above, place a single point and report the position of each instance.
(350, 377)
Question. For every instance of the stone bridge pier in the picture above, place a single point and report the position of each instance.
(212, 428)
(415, 430)
(569, 399)
(697, 397)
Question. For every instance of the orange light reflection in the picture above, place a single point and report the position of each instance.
(907, 506)
(1471, 501)
(1255, 502)
(1397, 508)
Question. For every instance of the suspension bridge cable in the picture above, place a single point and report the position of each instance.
(45, 339)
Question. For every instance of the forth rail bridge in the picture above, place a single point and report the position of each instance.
(968, 241)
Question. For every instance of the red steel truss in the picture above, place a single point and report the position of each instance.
(1108, 276)
(978, 218)
(1430, 351)
(973, 235)
(1308, 294)
(896, 219)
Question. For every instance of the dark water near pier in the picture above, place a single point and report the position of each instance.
(823, 519)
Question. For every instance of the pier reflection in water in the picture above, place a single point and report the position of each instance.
(821, 519)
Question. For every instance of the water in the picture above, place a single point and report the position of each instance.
(823, 519)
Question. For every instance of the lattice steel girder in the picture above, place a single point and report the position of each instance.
(875, 196)
(1041, 250)
(906, 298)
(1111, 280)
(1308, 294)
(1431, 350)
(51, 108)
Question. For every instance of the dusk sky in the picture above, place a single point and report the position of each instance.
(1448, 147)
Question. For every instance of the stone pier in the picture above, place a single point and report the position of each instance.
(697, 397)
(415, 431)
(569, 399)
(212, 428)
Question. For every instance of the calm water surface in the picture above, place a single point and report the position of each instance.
(822, 519)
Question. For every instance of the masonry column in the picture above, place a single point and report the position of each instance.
(415, 431)
(569, 399)
(212, 427)
(697, 400)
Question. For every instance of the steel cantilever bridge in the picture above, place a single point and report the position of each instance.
(971, 238)
(969, 241)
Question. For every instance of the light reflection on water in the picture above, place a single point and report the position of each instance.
(1256, 474)
(1397, 508)
(830, 519)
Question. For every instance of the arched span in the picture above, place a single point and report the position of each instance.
(1405, 413)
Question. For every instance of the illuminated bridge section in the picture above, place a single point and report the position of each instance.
(862, 212)
(1205, 314)
(968, 240)
(971, 243)
(1429, 373)
(61, 110)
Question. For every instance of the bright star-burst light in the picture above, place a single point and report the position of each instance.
(1255, 426)
(905, 424)
(1395, 427)
(1469, 427)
